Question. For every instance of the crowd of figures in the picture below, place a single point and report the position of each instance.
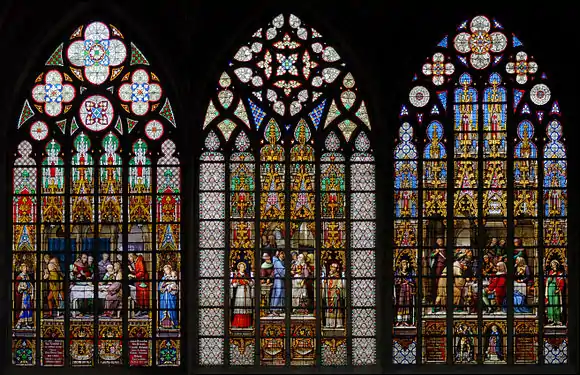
(272, 281)
(492, 268)
(108, 276)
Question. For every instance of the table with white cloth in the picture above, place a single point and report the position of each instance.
(87, 291)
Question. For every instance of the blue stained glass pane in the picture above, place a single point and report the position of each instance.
(443, 98)
(434, 149)
(404, 355)
(555, 350)
(443, 42)
(406, 175)
(405, 149)
(465, 79)
(257, 113)
(316, 113)
(555, 109)
(526, 109)
(525, 148)
(516, 42)
(518, 94)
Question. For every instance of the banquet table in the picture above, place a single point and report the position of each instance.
(86, 290)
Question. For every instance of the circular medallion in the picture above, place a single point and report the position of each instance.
(154, 130)
(97, 52)
(39, 130)
(96, 113)
(480, 42)
(540, 94)
(419, 96)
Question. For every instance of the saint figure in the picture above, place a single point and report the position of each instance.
(334, 294)
(168, 298)
(24, 297)
(555, 285)
(494, 350)
(140, 274)
(405, 285)
(278, 292)
(241, 292)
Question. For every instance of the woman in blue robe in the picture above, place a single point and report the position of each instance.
(168, 292)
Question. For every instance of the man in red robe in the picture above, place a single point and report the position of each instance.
(142, 287)
(496, 289)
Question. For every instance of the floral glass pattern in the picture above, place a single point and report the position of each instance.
(438, 69)
(97, 53)
(480, 43)
(53, 93)
(521, 67)
(140, 92)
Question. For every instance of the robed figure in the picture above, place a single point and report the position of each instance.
(80, 269)
(523, 281)
(103, 263)
(266, 269)
(278, 291)
(55, 277)
(114, 290)
(140, 274)
(497, 289)
(168, 298)
(494, 350)
(555, 285)
(333, 294)
(405, 285)
(24, 297)
(241, 293)
(437, 263)
(464, 344)
(300, 273)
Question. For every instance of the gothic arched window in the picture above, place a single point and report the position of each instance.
(96, 210)
(286, 210)
(480, 243)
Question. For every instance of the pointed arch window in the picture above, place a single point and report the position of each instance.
(286, 210)
(480, 230)
(96, 210)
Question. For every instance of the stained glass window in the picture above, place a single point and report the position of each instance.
(96, 211)
(286, 208)
(480, 237)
